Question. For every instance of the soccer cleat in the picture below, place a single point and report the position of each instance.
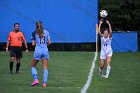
(44, 85)
(100, 75)
(35, 82)
(105, 76)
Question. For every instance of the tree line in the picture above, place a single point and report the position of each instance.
(123, 14)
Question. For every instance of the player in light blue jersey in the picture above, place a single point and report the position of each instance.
(40, 39)
(106, 50)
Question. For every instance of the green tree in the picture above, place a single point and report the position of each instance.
(123, 14)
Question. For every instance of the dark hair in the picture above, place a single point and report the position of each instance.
(16, 24)
(39, 22)
(106, 29)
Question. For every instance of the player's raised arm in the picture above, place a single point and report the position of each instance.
(110, 28)
(99, 30)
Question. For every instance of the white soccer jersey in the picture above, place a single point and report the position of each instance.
(106, 49)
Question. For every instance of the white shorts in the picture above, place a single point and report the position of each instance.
(104, 54)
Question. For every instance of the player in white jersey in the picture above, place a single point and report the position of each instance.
(106, 50)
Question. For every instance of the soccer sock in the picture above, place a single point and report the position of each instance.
(17, 67)
(45, 76)
(108, 70)
(100, 71)
(11, 65)
(34, 73)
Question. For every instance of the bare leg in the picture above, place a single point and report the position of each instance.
(108, 60)
(108, 66)
(101, 67)
(45, 64)
(34, 62)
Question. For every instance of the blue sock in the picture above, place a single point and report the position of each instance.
(45, 76)
(34, 73)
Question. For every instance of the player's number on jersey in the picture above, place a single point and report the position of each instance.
(105, 44)
(42, 40)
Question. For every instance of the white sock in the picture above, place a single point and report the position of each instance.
(108, 71)
(100, 71)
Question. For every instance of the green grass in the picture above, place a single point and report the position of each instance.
(124, 77)
(68, 73)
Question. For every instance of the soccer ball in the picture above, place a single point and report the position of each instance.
(103, 13)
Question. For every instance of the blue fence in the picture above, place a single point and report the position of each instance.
(125, 42)
(68, 21)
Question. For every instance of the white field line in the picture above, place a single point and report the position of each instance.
(86, 86)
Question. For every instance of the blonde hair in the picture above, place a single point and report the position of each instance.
(39, 29)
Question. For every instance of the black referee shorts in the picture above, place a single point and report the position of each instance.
(15, 51)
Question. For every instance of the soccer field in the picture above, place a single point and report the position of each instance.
(68, 72)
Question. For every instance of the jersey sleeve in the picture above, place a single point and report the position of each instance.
(23, 37)
(47, 34)
(33, 36)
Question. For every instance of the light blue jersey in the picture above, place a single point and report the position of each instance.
(41, 50)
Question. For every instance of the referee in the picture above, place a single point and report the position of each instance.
(15, 39)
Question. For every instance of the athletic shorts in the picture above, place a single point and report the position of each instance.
(15, 51)
(104, 54)
(41, 54)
